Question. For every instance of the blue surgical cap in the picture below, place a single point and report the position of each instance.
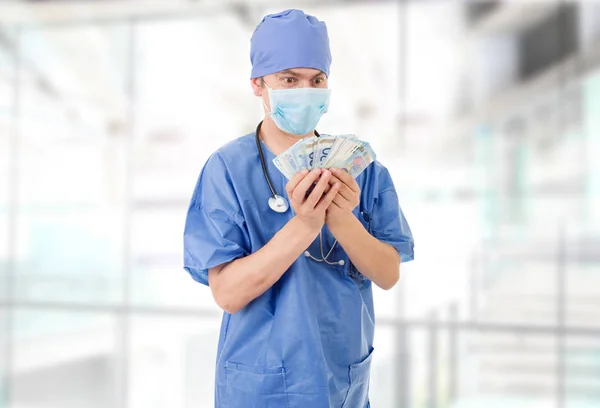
(289, 39)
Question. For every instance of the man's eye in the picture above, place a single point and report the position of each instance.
(289, 80)
(319, 80)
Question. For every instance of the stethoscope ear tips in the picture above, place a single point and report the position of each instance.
(341, 263)
(307, 254)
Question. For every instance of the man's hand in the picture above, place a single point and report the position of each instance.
(311, 208)
(237, 283)
(346, 199)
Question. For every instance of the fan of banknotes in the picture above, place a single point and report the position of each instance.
(326, 151)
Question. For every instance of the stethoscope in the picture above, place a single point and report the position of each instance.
(277, 203)
(280, 204)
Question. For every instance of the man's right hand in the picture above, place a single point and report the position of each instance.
(311, 209)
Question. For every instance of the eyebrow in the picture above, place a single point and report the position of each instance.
(298, 75)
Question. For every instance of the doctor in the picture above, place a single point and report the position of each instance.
(295, 283)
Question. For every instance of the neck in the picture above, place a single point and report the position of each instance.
(276, 140)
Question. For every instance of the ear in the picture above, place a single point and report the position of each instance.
(257, 89)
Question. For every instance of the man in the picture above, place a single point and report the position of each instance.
(297, 330)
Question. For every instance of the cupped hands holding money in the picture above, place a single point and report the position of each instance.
(310, 194)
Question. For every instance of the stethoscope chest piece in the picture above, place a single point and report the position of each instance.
(278, 204)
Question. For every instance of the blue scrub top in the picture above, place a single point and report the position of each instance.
(308, 340)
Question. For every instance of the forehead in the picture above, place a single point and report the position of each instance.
(300, 72)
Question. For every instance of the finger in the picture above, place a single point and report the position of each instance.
(346, 178)
(344, 190)
(317, 192)
(310, 189)
(327, 199)
(291, 185)
(299, 193)
(333, 204)
(349, 180)
(340, 201)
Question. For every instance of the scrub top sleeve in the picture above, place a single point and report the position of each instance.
(215, 230)
(388, 223)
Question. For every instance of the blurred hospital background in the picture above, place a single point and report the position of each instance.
(487, 114)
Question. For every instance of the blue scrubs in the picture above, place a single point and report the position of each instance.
(308, 340)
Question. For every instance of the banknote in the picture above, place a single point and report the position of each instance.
(323, 148)
(277, 161)
(339, 142)
(342, 151)
(359, 161)
(301, 154)
(290, 163)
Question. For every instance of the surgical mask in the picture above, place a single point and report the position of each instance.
(297, 111)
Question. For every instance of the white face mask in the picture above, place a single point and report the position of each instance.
(297, 111)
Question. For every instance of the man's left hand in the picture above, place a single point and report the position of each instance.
(345, 201)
